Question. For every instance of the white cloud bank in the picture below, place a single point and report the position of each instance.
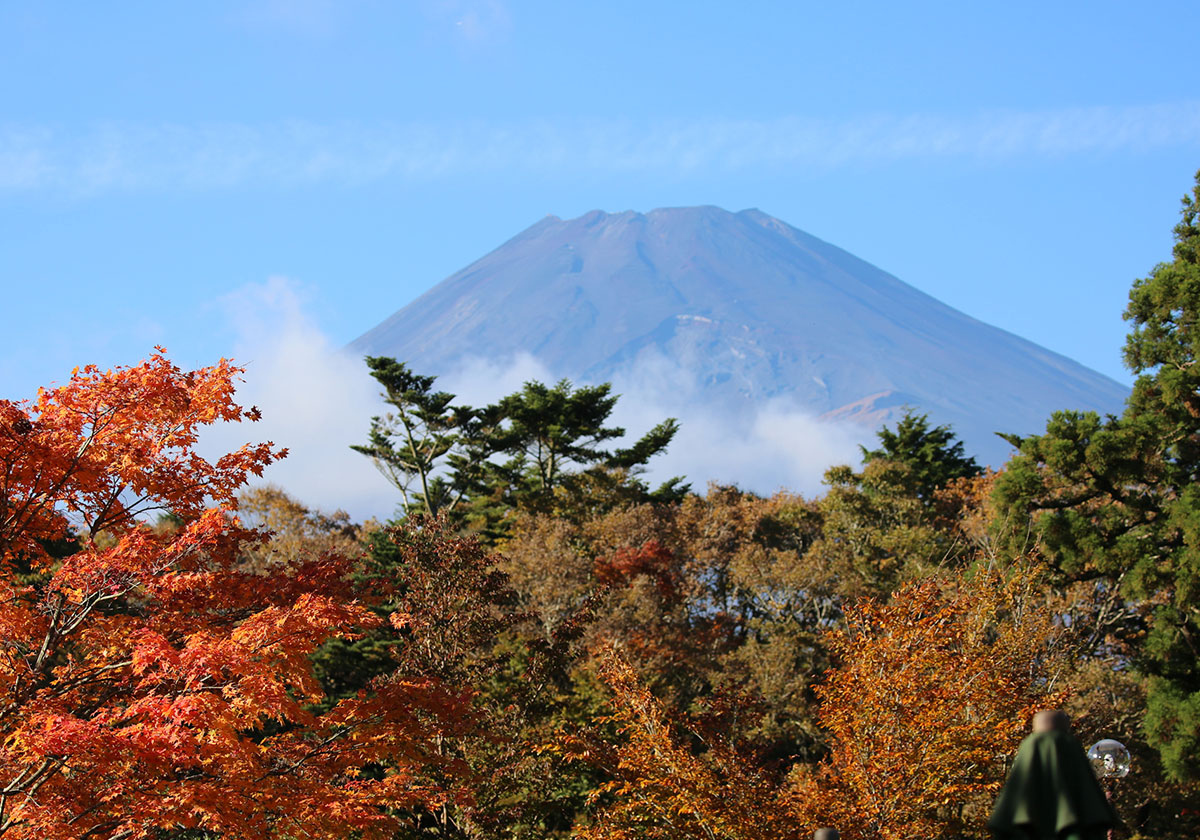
(767, 447)
(772, 446)
(317, 401)
(132, 157)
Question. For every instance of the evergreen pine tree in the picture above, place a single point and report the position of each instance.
(932, 455)
(1116, 500)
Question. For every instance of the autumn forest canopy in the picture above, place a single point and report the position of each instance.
(542, 644)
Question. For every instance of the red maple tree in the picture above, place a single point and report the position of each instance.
(152, 680)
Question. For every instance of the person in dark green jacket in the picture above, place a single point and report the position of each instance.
(1051, 792)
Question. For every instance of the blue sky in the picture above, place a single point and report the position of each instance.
(196, 174)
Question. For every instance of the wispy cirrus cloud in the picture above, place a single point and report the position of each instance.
(216, 156)
(475, 22)
(303, 17)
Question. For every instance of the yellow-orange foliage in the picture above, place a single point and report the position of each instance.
(935, 689)
(673, 780)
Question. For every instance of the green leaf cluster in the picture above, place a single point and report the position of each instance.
(478, 465)
(933, 457)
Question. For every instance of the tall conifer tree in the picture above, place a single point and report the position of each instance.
(1116, 500)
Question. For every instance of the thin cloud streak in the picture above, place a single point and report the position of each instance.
(139, 157)
(474, 22)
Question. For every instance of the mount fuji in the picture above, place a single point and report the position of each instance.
(732, 312)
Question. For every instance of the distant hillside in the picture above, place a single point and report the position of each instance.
(745, 308)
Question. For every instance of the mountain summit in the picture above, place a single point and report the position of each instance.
(742, 308)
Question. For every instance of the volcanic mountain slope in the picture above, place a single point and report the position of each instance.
(743, 308)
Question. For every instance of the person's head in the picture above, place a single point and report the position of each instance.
(1049, 720)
